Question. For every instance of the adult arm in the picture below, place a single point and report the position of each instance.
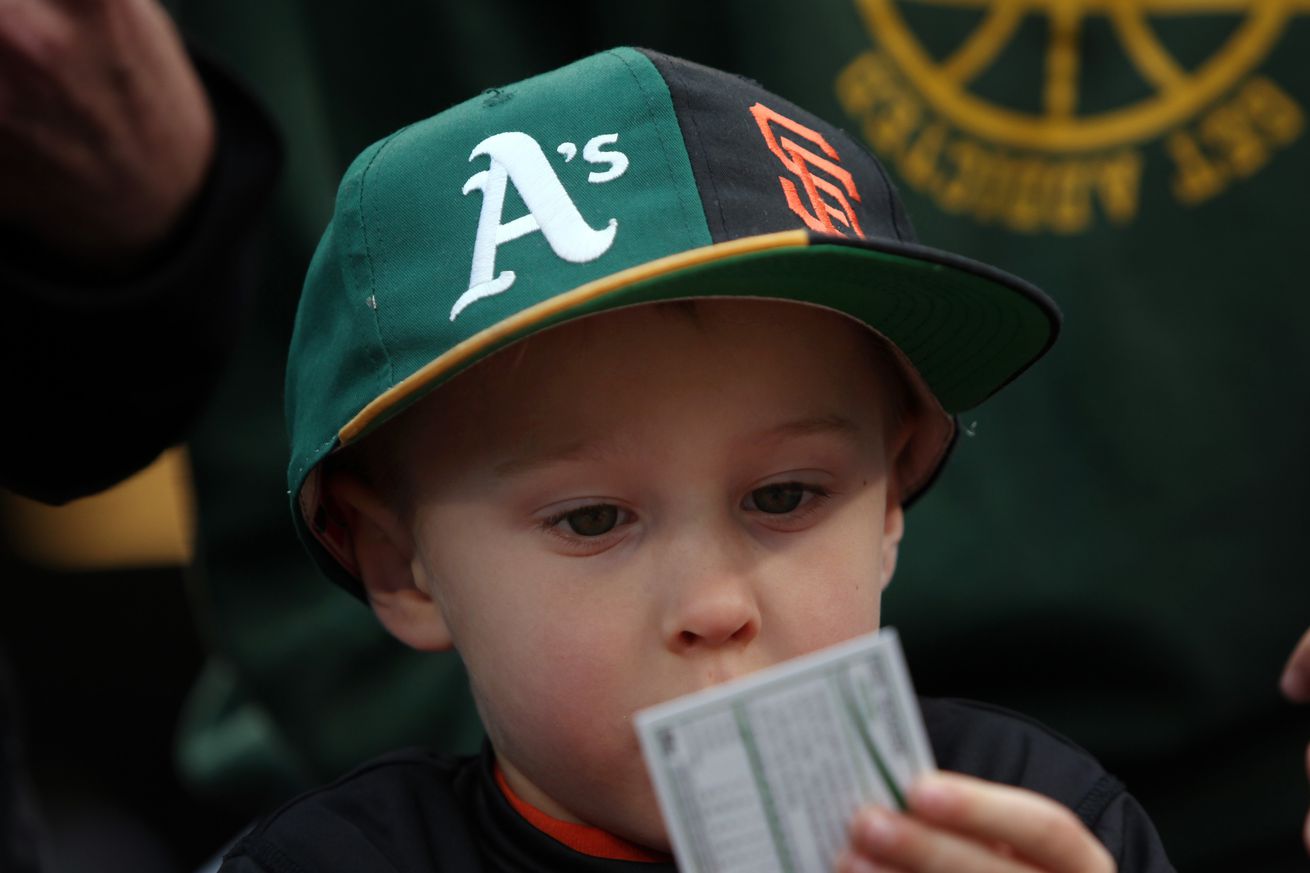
(133, 179)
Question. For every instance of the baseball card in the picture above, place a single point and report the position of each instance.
(764, 773)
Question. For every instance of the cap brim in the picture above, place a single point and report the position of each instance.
(965, 328)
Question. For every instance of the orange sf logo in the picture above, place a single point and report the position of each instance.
(802, 162)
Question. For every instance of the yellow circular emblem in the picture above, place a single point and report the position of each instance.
(1178, 93)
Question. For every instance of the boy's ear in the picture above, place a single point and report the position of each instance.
(893, 529)
(384, 555)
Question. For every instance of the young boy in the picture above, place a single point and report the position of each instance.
(662, 435)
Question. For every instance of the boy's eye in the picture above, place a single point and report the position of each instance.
(778, 499)
(593, 521)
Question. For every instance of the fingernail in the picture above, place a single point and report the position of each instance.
(877, 827)
(931, 795)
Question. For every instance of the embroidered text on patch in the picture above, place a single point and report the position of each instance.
(802, 162)
(517, 157)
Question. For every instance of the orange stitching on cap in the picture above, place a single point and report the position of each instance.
(800, 161)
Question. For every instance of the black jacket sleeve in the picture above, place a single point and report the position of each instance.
(247, 864)
(101, 377)
(1002, 746)
(1128, 833)
(19, 849)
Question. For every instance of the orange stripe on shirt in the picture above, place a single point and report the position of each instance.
(581, 838)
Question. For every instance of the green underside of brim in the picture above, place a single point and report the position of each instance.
(967, 334)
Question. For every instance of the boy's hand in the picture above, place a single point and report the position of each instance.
(959, 824)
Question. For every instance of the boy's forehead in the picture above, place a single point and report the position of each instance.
(758, 370)
(529, 458)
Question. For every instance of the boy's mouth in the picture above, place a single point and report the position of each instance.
(717, 676)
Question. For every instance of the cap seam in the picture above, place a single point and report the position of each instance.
(709, 169)
(324, 447)
(368, 256)
(886, 185)
(664, 150)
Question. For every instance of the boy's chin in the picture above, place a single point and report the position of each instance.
(638, 820)
(626, 808)
(652, 832)
(648, 834)
(634, 817)
(634, 813)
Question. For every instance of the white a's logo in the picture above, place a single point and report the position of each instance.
(516, 157)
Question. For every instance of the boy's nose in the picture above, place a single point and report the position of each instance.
(709, 578)
(726, 616)
(711, 608)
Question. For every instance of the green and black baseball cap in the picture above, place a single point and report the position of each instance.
(625, 178)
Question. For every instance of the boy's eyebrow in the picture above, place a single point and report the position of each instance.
(810, 425)
(583, 450)
(528, 461)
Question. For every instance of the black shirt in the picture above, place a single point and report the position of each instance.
(415, 812)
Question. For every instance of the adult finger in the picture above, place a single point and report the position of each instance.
(33, 34)
(39, 47)
(1296, 675)
(1039, 829)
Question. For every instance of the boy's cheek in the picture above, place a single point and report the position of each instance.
(828, 600)
(565, 720)
(568, 680)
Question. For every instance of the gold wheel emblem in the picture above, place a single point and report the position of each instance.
(1057, 168)
(1178, 95)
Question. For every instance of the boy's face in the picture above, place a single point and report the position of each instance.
(631, 508)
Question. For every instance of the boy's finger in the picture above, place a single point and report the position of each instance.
(1036, 827)
(891, 841)
(852, 862)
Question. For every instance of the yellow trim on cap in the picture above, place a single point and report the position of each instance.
(479, 342)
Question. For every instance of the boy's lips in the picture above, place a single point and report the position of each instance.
(720, 670)
(706, 677)
(717, 675)
(717, 678)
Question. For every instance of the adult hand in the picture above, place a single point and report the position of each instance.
(106, 134)
(1296, 686)
(958, 824)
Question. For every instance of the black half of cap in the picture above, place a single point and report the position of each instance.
(741, 175)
